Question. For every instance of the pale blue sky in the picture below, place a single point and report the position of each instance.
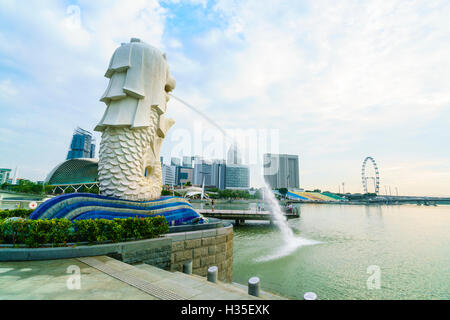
(339, 80)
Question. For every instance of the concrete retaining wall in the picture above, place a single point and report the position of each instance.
(205, 249)
(156, 253)
(152, 250)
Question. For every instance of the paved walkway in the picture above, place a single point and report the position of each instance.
(47, 280)
(106, 278)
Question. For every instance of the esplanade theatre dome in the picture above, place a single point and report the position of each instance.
(74, 171)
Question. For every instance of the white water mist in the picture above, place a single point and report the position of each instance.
(290, 241)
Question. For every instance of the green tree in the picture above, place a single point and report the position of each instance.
(283, 191)
(48, 189)
(258, 194)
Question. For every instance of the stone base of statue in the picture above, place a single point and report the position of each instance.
(82, 206)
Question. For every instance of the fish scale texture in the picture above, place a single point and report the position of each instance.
(122, 163)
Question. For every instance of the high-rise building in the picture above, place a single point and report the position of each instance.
(82, 145)
(237, 177)
(202, 173)
(168, 175)
(234, 155)
(281, 170)
(4, 175)
(184, 175)
(218, 171)
(175, 161)
(187, 161)
(196, 159)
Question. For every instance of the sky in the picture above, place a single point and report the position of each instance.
(330, 81)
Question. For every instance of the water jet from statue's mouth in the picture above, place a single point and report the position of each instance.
(212, 122)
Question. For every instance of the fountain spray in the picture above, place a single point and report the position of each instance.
(290, 241)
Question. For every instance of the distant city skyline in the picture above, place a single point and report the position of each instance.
(338, 82)
(218, 173)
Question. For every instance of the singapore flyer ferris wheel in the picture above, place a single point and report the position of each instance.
(365, 177)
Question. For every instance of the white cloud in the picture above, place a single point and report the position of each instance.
(7, 88)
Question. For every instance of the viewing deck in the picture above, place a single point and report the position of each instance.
(241, 215)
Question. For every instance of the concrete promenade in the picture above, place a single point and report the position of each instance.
(103, 277)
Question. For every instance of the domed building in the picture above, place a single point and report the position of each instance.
(74, 173)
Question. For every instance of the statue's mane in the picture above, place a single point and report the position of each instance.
(140, 72)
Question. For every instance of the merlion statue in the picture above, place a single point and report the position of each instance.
(133, 125)
(133, 128)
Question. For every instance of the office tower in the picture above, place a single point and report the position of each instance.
(184, 175)
(168, 175)
(202, 173)
(4, 175)
(187, 162)
(218, 171)
(237, 177)
(196, 159)
(234, 155)
(281, 170)
(82, 145)
(92, 151)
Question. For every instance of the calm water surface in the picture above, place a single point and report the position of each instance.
(409, 243)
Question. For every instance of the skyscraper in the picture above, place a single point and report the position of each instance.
(187, 161)
(82, 145)
(184, 175)
(281, 170)
(196, 159)
(234, 155)
(218, 172)
(168, 175)
(237, 177)
(4, 175)
(202, 173)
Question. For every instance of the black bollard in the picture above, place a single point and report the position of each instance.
(254, 286)
(212, 274)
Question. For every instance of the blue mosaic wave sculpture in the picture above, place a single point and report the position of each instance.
(82, 206)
